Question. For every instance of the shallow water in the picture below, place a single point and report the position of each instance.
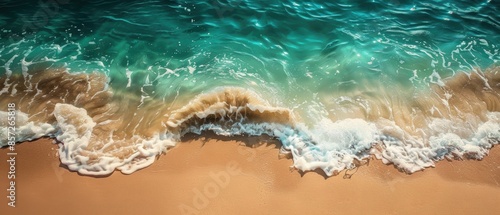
(118, 83)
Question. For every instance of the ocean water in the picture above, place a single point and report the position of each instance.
(118, 83)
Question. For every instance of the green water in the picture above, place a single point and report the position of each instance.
(285, 47)
(300, 55)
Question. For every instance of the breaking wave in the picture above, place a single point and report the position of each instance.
(100, 129)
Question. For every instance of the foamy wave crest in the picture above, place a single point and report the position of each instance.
(25, 130)
(232, 111)
(99, 130)
(413, 154)
(76, 133)
(228, 105)
(80, 111)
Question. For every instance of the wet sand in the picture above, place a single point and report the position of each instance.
(222, 176)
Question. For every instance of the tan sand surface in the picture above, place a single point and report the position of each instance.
(222, 176)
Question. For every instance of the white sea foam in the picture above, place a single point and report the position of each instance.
(413, 155)
(25, 130)
(335, 146)
(75, 134)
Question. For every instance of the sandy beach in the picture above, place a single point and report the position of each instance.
(223, 176)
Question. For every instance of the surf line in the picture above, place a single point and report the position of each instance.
(11, 153)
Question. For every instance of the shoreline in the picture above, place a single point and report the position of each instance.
(208, 175)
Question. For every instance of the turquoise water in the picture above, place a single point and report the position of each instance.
(304, 56)
(293, 46)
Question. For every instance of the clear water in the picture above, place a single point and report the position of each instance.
(304, 56)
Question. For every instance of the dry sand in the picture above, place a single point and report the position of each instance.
(221, 176)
